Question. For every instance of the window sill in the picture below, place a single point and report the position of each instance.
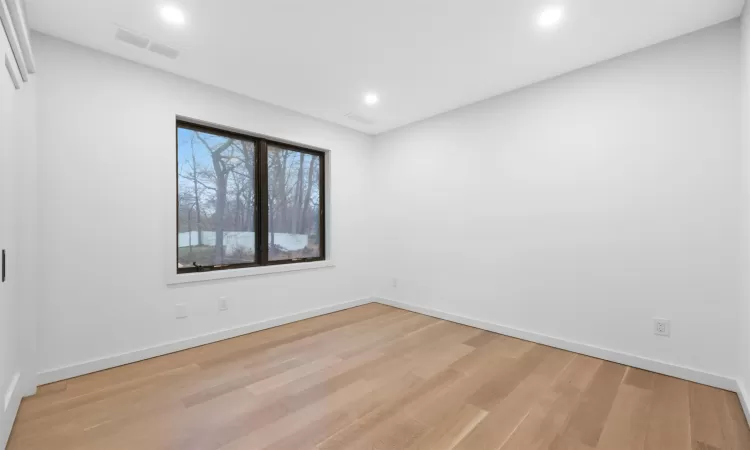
(174, 278)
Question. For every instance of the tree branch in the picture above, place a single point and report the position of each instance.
(218, 149)
(199, 182)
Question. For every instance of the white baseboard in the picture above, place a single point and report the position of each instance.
(651, 365)
(29, 386)
(11, 391)
(95, 365)
(744, 399)
(9, 408)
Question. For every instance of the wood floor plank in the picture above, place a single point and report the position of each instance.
(588, 420)
(367, 428)
(735, 423)
(482, 339)
(440, 359)
(510, 347)
(507, 415)
(331, 423)
(639, 378)
(376, 377)
(290, 375)
(481, 358)
(451, 430)
(669, 425)
(297, 420)
(396, 433)
(52, 388)
(240, 382)
(387, 335)
(444, 402)
(707, 409)
(551, 414)
(628, 421)
(496, 390)
(716, 420)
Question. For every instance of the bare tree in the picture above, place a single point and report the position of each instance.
(296, 218)
(194, 175)
(238, 185)
(248, 156)
(221, 169)
(306, 208)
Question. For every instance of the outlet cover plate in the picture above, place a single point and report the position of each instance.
(662, 327)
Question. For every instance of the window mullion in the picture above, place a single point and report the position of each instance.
(262, 191)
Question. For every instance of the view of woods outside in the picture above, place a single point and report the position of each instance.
(217, 201)
(293, 204)
(216, 198)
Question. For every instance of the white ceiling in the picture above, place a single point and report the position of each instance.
(422, 57)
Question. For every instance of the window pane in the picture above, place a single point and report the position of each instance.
(293, 204)
(216, 199)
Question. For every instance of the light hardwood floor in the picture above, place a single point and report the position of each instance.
(376, 377)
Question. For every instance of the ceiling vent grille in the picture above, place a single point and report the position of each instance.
(164, 50)
(131, 38)
(141, 41)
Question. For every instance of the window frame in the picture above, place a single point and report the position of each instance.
(261, 218)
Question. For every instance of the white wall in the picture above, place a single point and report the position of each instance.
(17, 222)
(106, 176)
(745, 304)
(611, 196)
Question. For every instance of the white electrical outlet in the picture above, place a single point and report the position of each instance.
(395, 282)
(180, 311)
(223, 304)
(661, 327)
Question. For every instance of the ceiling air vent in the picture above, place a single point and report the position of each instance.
(357, 118)
(141, 41)
(164, 50)
(131, 38)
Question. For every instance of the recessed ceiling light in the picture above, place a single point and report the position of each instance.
(371, 99)
(551, 16)
(172, 14)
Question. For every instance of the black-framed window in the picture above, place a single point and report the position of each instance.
(245, 201)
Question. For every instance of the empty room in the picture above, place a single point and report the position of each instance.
(375, 225)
